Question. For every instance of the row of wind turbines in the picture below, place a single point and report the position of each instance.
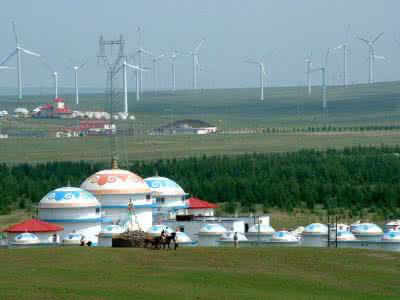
(323, 68)
(139, 68)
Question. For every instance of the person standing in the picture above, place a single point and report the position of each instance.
(235, 240)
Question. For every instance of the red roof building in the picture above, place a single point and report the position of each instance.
(33, 225)
(196, 203)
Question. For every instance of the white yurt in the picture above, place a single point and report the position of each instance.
(227, 239)
(391, 241)
(284, 238)
(367, 231)
(184, 240)
(209, 235)
(392, 225)
(169, 199)
(25, 240)
(262, 232)
(315, 235)
(156, 230)
(346, 239)
(75, 209)
(122, 195)
(107, 233)
(72, 239)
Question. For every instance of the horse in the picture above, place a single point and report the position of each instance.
(166, 241)
(153, 241)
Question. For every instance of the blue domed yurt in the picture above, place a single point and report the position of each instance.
(75, 209)
(367, 231)
(156, 230)
(262, 232)
(391, 241)
(346, 239)
(72, 239)
(227, 239)
(107, 233)
(315, 235)
(209, 235)
(184, 240)
(25, 240)
(169, 199)
(284, 238)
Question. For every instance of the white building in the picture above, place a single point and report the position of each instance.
(123, 195)
(75, 209)
(169, 199)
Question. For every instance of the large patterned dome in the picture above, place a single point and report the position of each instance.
(164, 186)
(68, 197)
(115, 181)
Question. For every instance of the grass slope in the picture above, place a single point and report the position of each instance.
(275, 273)
(154, 147)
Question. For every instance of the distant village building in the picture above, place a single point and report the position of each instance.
(57, 110)
(188, 126)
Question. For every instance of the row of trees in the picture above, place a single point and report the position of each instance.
(353, 178)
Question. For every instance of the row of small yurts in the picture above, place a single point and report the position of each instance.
(359, 235)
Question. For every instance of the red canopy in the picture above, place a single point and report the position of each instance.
(33, 225)
(196, 203)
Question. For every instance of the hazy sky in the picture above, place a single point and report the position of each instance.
(283, 32)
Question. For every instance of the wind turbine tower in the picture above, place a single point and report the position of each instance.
(262, 74)
(17, 51)
(372, 56)
(323, 72)
(76, 70)
(173, 58)
(195, 61)
(308, 61)
(137, 69)
(344, 46)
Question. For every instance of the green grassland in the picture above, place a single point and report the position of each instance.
(33, 150)
(199, 273)
(240, 108)
(286, 107)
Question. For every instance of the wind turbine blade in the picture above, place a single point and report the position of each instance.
(377, 38)
(315, 70)
(15, 33)
(160, 56)
(6, 68)
(196, 60)
(327, 56)
(29, 52)
(347, 33)
(148, 53)
(199, 45)
(8, 57)
(364, 40)
(135, 67)
(372, 50)
(379, 57)
(249, 61)
(338, 47)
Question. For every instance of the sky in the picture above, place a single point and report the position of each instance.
(280, 33)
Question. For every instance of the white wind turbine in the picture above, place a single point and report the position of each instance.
(55, 75)
(155, 60)
(323, 71)
(173, 58)
(138, 70)
(372, 55)
(195, 61)
(76, 69)
(262, 74)
(344, 46)
(308, 61)
(17, 51)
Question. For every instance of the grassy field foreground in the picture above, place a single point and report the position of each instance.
(199, 273)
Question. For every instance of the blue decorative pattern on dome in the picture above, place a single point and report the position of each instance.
(162, 182)
(60, 195)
